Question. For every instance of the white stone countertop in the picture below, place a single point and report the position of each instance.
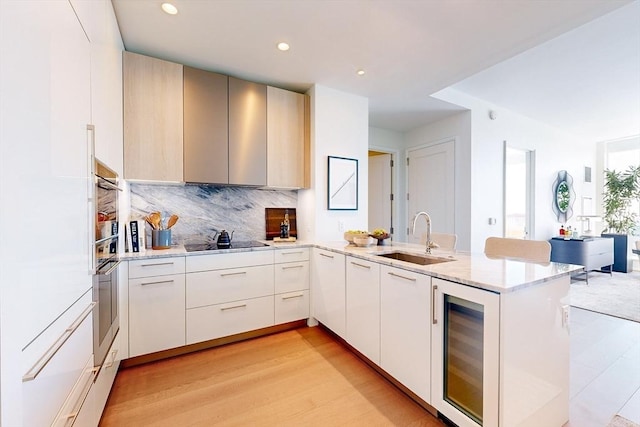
(476, 270)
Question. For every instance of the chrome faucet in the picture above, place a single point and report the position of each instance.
(430, 244)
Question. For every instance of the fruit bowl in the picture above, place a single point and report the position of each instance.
(380, 234)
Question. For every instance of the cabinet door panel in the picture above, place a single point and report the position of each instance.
(156, 314)
(291, 306)
(405, 338)
(153, 120)
(247, 132)
(293, 276)
(216, 321)
(363, 307)
(206, 127)
(328, 289)
(285, 138)
(216, 287)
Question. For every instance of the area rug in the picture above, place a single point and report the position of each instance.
(619, 421)
(617, 295)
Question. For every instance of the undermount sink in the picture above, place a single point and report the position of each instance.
(415, 258)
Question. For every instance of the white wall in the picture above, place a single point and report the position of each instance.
(457, 127)
(555, 151)
(389, 141)
(339, 127)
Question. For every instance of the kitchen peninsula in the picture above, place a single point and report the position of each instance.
(474, 338)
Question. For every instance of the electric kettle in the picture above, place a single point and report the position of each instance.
(224, 239)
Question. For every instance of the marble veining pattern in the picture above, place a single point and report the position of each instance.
(207, 209)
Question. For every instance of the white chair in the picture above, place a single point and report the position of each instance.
(445, 242)
(524, 250)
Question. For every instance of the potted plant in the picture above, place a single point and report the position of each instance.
(620, 190)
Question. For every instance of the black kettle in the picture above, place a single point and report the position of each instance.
(224, 239)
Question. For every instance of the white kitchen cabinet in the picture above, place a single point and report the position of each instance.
(291, 272)
(156, 306)
(328, 292)
(153, 119)
(363, 307)
(107, 375)
(44, 110)
(287, 139)
(405, 336)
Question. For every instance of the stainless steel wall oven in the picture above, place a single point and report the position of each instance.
(105, 260)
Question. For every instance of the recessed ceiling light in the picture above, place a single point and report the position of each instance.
(283, 46)
(360, 72)
(169, 8)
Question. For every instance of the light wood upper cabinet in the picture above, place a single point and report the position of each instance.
(206, 127)
(247, 133)
(287, 139)
(153, 121)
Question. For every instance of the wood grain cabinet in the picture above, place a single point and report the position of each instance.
(247, 133)
(153, 119)
(206, 127)
(287, 139)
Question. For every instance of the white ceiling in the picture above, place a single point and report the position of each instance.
(409, 48)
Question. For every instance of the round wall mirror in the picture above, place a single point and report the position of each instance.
(563, 196)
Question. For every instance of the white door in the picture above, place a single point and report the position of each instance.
(380, 191)
(431, 188)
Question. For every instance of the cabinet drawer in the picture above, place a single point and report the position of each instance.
(107, 375)
(156, 267)
(156, 314)
(291, 255)
(229, 260)
(291, 306)
(220, 286)
(221, 320)
(63, 380)
(293, 276)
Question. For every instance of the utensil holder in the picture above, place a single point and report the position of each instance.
(160, 239)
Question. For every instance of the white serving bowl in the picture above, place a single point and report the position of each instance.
(363, 241)
(349, 236)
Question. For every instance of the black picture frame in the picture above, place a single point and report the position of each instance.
(342, 184)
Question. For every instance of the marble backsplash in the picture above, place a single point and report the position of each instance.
(207, 209)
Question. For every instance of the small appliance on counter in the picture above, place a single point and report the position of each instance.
(280, 224)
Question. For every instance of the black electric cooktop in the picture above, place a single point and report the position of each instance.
(196, 247)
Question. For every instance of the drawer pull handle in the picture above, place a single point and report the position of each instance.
(326, 256)
(434, 317)
(233, 274)
(232, 307)
(413, 279)
(85, 391)
(292, 296)
(292, 266)
(368, 267)
(56, 346)
(291, 253)
(159, 282)
(156, 265)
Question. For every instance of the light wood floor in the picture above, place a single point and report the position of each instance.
(304, 377)
(296, 378)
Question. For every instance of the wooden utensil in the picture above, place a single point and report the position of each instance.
(154, 219)
(172, 221)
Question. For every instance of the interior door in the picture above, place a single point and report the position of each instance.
(380, 203)
(431, 188)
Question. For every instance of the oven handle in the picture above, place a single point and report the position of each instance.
(110, 270)
(111, 185)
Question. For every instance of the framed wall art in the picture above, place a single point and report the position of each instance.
(342, 186)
